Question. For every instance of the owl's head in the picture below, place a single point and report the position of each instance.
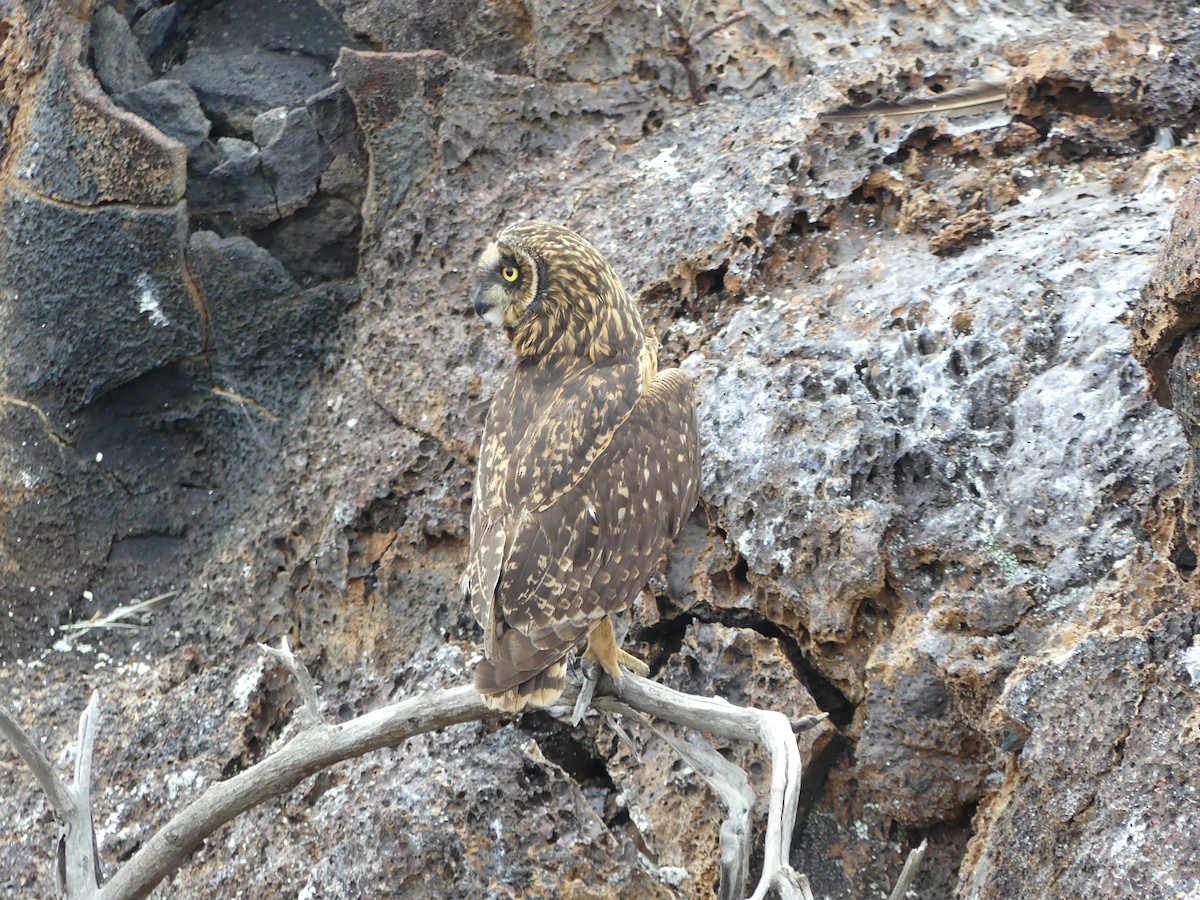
(552, 290)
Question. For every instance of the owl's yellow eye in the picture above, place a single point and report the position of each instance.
(509, 273)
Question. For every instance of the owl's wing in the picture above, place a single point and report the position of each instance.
(591, 551)
(543, 433)
(561, 422)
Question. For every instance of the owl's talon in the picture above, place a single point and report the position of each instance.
(602, 647)
(632, 663)
(591, 678)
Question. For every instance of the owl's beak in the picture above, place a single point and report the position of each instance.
(487, 308)
(482, 307)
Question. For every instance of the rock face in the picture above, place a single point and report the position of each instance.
(239, 373)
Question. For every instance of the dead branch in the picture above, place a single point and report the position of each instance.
(732, 787)
(319, 745)
(309, 752)
(52, 786)
(309, 713)
(684, 47)
(78, 861)
(78, 856)
(716, 715)
(909, 873)
(116, 618)
(705, 33)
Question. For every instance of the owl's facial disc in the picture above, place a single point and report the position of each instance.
(507, 285)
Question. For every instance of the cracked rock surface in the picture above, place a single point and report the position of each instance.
(942, 499)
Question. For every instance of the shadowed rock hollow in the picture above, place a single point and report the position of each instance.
(940, 501)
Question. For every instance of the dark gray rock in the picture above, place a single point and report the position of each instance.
(155, 30)
(1106, 759)
(76, 147)
(236, 84)
(317, 243)
(251, 185)
(171, 107)
(261, 324)
(486, 32)
(248, 57)
(235, 190)
(293, 156)
(119, 62)
(48, 491)
(298, 27)
(97, 297)
(333, 113)
(245, 291)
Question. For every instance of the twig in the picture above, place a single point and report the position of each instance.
(909, 873)
(309, 752)
(705, 33)
(614, 722)
(309, 713)
(591, 677)
(718, 716)
(52, 786)
(78, 857)
(804, 723)
(78, 863)
(113, 618)
(685, 49)
(732, 787)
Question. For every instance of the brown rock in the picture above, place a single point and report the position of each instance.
(1107, 721)
(76, 146)
(974, 225)
(1170, 304)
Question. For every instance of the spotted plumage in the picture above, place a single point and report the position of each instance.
(589, 464)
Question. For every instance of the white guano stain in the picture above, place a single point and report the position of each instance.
(148, 301)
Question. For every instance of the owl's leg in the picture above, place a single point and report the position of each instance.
(602, 647)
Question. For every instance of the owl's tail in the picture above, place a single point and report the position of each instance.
(538, 690)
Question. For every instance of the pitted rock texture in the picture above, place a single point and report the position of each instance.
(239, 372)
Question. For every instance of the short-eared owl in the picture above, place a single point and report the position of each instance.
(589, 464)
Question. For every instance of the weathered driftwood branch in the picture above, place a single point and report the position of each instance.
(705, 33)
(909, 873)
(715, 715)
(78, 862)
(309, 713)
(732, 787)
(319, 745)
(311, 751)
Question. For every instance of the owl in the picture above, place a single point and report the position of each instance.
(589, 465)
